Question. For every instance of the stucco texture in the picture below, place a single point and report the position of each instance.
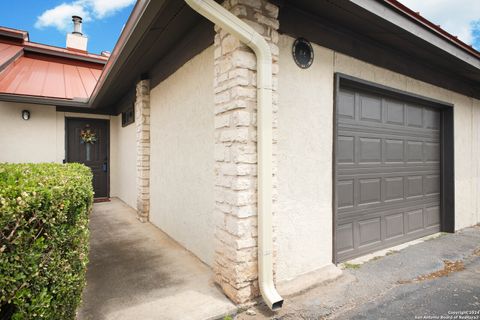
(33, 140)
(304, 218)
(304, 237)
(123, 161)
(182, 142)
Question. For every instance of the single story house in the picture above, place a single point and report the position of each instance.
(360, 131)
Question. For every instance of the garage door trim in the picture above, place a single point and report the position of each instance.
(447, 206)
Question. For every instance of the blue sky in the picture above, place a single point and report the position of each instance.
(459, 17)
(48, 21)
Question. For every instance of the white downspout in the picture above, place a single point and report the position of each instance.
(227, 21)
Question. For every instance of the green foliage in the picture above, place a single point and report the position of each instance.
(44, 237)
(352, 266)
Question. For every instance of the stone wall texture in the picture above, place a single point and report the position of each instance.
(235, 264)
(142, 123)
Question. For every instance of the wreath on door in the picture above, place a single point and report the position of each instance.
(88, 136)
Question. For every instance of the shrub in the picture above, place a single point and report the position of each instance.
(44, 236)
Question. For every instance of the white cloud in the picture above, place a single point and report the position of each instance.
(103, 8)
(455, 16)
(60, 17)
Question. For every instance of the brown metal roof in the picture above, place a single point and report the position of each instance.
(35, 76)
(36, 70)
(8, 53)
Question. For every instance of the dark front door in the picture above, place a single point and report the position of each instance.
(88, 143)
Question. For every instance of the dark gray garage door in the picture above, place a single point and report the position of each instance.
(387, 172)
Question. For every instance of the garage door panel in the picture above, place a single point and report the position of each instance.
(346, 149)
(394, 226)
(394, 150)
(414, 187)
(432, 216)
(345, 195)
(395, 112)
(414, 151)
(387, 171)
(432, 151)
(370, 150)
(369, 232)
(414, 220)
(431, 119)
(370, 108)
(414, 116)
(394, 189)
(347, 214)
(432, 184)
(344, 238)
(384, 130)
(346, 106)
(369, 191)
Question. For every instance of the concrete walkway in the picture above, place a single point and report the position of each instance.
(404, 284)
(137, 272)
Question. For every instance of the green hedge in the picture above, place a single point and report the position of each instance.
(44, 236)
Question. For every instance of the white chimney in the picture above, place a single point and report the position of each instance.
(76, 40)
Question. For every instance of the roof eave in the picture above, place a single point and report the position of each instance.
(78, 103)
(69, 55)
(433, 27)
(402, 19)
(137, 24)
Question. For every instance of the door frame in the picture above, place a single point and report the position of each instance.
(107, 122)
(447, 167)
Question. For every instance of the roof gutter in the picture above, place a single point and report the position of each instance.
(393, 12)
(80, 103)
(435, 28)
(226, 20)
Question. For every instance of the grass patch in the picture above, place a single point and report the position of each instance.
(351, 266)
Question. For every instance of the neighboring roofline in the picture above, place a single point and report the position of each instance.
(44, 100)
(14, 33)
(49, 49)
(64, 53)
(430, 25)
(11, 60)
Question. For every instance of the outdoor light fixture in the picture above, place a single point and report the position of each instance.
(25, 114)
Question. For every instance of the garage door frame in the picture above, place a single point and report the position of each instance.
(447, 185)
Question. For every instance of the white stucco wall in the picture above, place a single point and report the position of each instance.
(304, 237)
(305, 153)
(34, 140)
(123, 163)
(42, 139)
(182, 142)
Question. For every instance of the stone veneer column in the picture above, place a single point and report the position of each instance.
(235, 263)
(142, 123)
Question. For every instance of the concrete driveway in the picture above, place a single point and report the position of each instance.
(138, 272)
(435, 278)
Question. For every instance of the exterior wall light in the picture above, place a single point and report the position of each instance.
(25, 114)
